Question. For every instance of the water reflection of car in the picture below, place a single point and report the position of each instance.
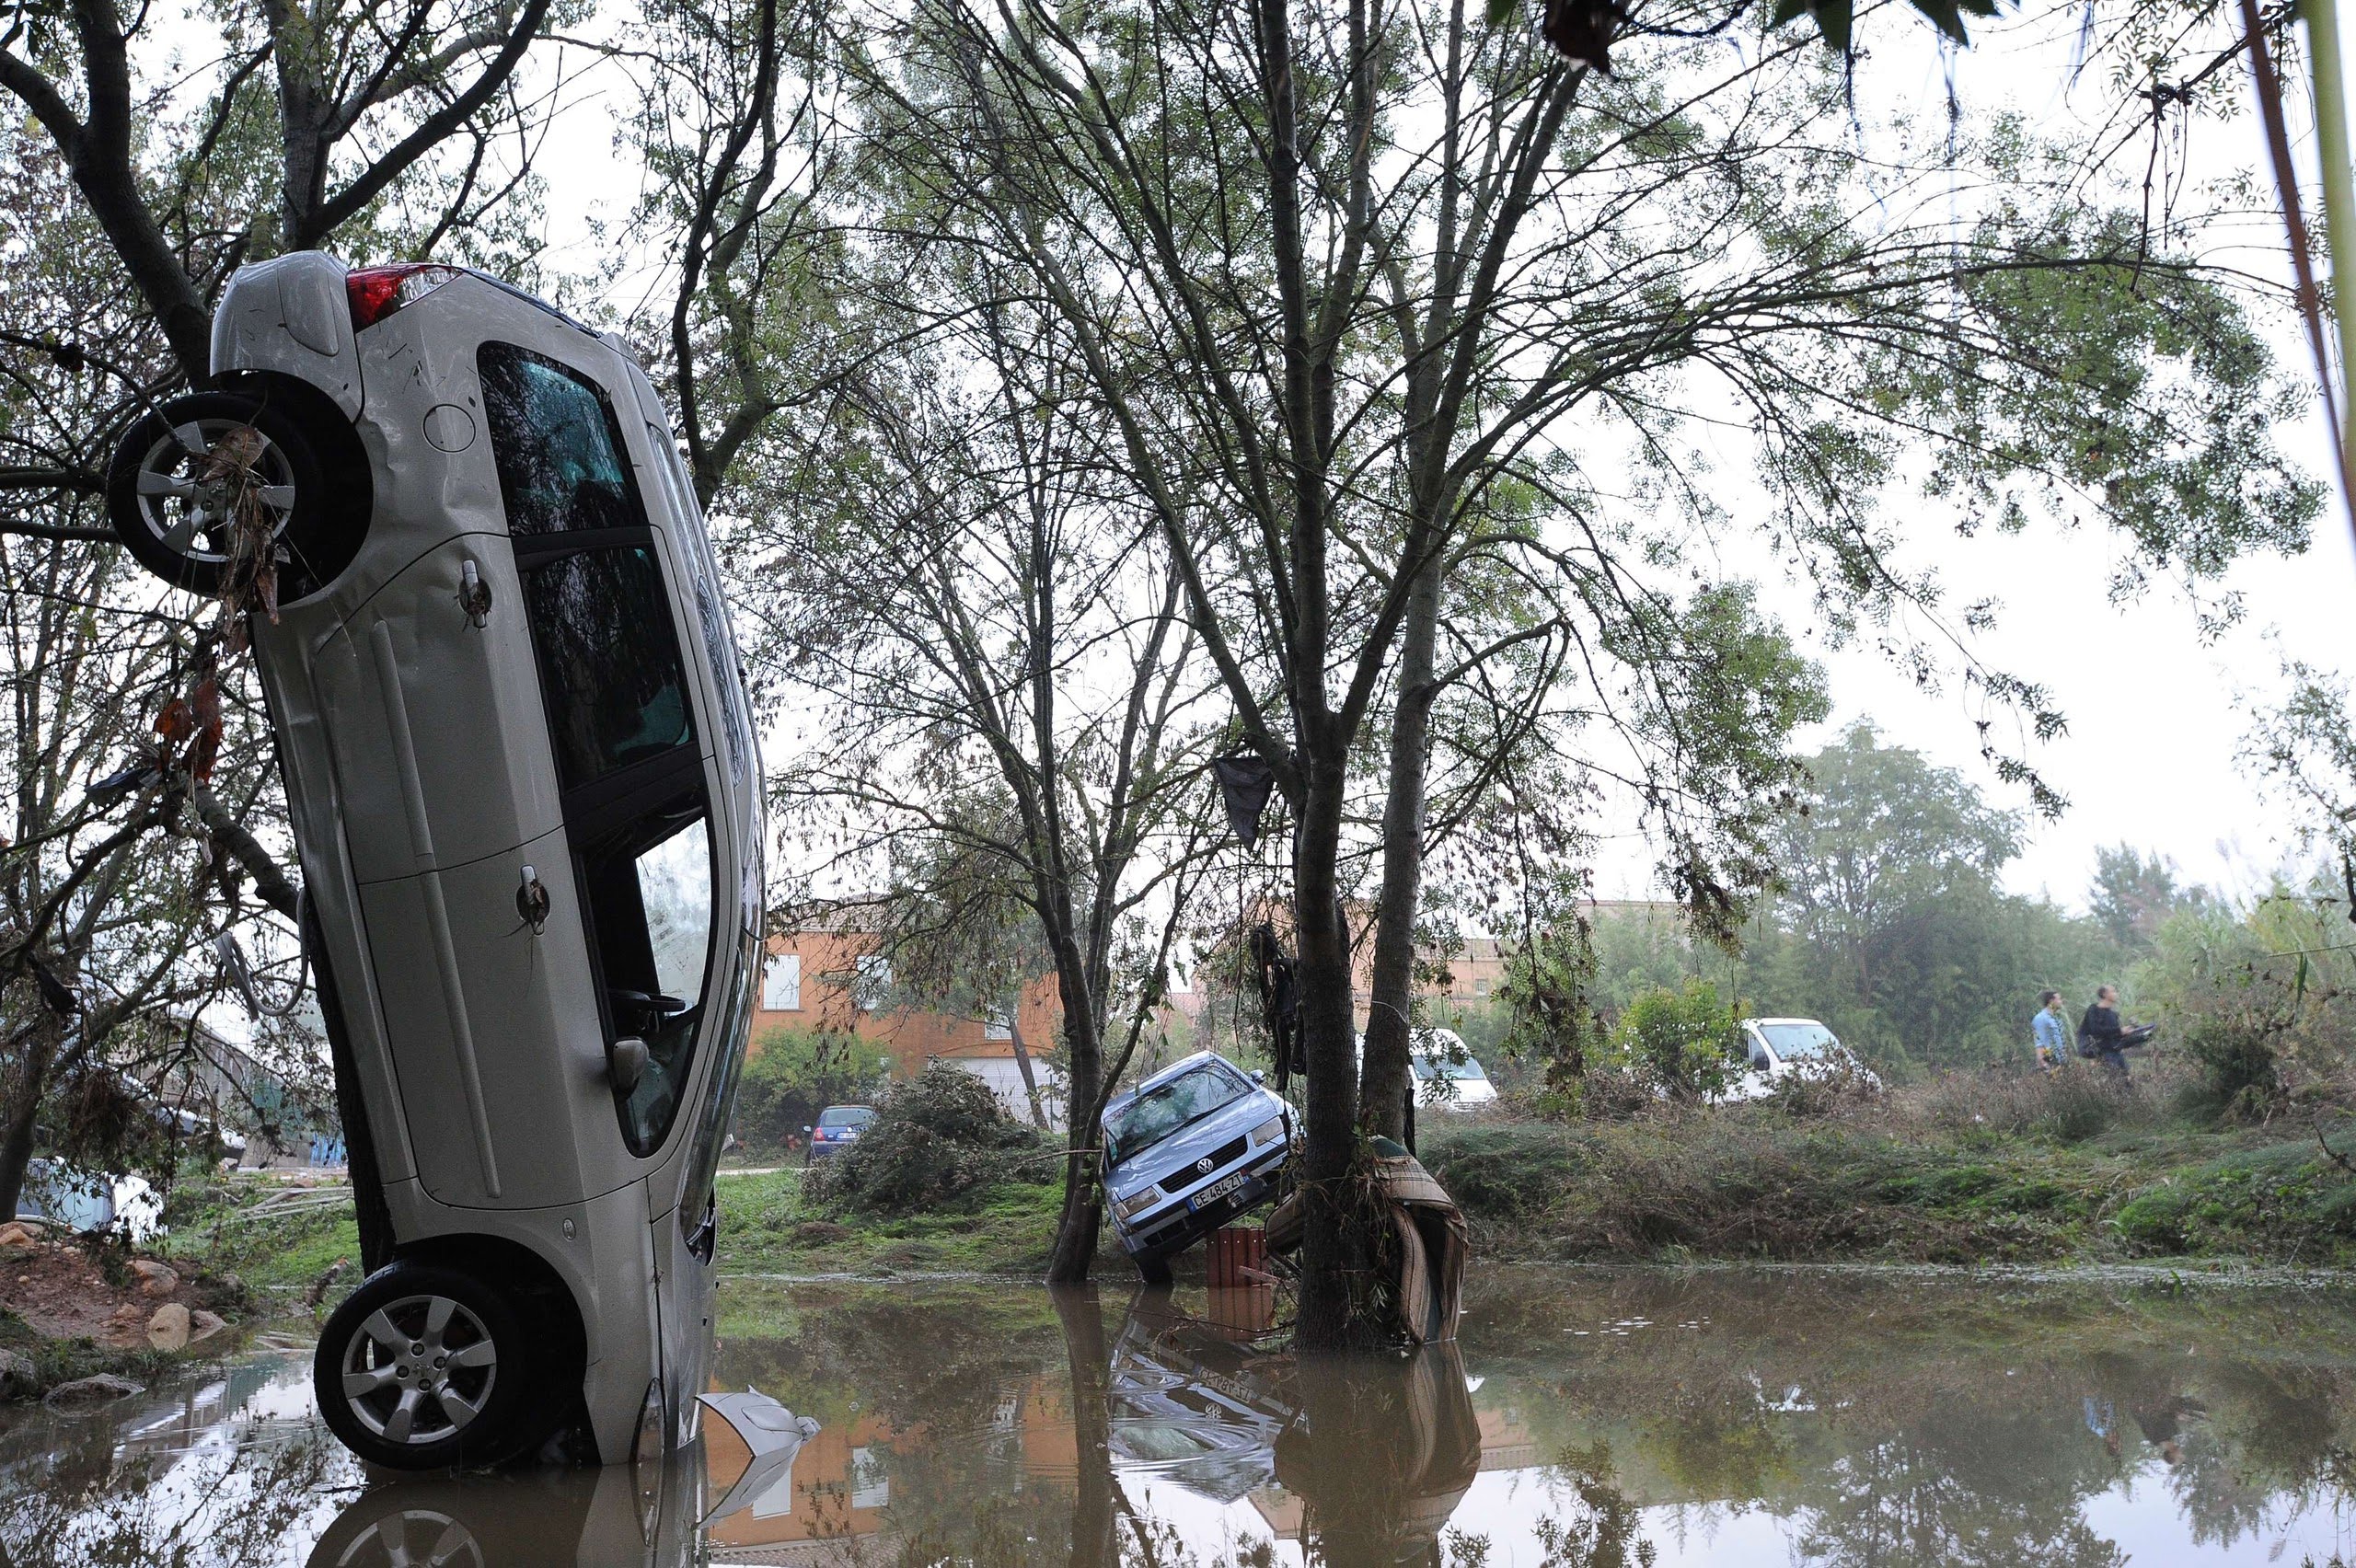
(522, 787)
(1780, 1050)
(1192, 1404)
(1187, 1150)
(837, 1128)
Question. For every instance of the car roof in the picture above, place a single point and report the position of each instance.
(1816, 1023)
(1183, 1064)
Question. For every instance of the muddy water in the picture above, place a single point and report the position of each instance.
(1587, 1418)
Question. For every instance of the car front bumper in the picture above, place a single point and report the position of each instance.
(1176, 1225)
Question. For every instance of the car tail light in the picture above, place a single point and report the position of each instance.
(377, 292)
(1137, 1203)
(1269, 1131)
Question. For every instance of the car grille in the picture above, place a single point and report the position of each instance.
(1225, 1155)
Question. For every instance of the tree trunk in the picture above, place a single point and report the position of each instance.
(1022, 1065)
(1334, 1246)
(24, 1112)
(1074, 1252)
(1387, 1076)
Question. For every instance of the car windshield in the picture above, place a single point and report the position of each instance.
(1432, 1067)
(1163, 1109)
(846, 1117)
(1794, 1039)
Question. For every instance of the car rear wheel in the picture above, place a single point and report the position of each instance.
(208, 485)
(425, 1366)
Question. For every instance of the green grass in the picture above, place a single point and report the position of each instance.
(766, 1227)
(1749, 1182)
(276, 1259)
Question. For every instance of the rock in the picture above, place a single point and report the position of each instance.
(84, 1393)
(16, 1235)
(155, 1278)
(203, 1325)
(18, 1375)
(167, 1329)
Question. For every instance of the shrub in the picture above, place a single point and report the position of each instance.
(940, 1134)
(1687, 1040)
(796, 1073)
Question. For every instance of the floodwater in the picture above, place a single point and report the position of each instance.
(1587, 1417)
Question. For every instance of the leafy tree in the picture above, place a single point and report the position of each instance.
(2133, 894)
(1684, 1040)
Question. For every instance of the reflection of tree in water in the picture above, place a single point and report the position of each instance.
(79, 1509)
(1605, 1530)
(1905, 1501)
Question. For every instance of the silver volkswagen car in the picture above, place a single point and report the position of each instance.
(520, 766)
(1185, 1151)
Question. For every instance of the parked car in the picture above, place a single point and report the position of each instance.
(89, 1200)
(525, 798)
(1447, 1074)
(837, 1128)
(1190, 1148)
(1780, 1049)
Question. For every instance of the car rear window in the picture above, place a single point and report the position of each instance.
(563, 466)
(1162, 1110)
(841, 1116)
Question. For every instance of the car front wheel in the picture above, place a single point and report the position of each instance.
(425, 1366)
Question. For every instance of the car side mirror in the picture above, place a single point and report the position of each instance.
(808, 1128)
(1259, 1077)
(626, 1062)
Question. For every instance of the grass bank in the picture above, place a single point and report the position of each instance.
(1967, 1171)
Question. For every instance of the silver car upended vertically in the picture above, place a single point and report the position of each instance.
(520, 766)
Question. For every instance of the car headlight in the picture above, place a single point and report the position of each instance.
(1137, 1203)
(1269, 1131)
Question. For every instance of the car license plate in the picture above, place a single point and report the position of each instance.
(1215, 1191)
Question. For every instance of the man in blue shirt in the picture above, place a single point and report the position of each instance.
(2051, 1028)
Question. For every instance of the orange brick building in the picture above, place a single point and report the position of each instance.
(833, 980)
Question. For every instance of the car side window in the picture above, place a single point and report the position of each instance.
(556, 444)
(610, 667)
(649, 885)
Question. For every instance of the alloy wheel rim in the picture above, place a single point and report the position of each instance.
(186, 493)
(419, 1370)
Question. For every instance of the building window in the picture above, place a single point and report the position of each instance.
(999, 1025)
(1479, 987)
(871, 1487)
(874, 980)
(782, 984)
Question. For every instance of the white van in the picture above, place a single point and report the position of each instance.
(1777, 1050)
(520, 764)
(1447, 1074)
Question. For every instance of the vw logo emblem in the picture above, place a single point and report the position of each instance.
(1204, 1165)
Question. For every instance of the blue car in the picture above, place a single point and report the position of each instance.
(837, 1128)
(1190, 1148)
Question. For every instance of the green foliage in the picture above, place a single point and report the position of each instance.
(1685, 1040)
(939, 1135)
(793, 1074)
(1548, 1009)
